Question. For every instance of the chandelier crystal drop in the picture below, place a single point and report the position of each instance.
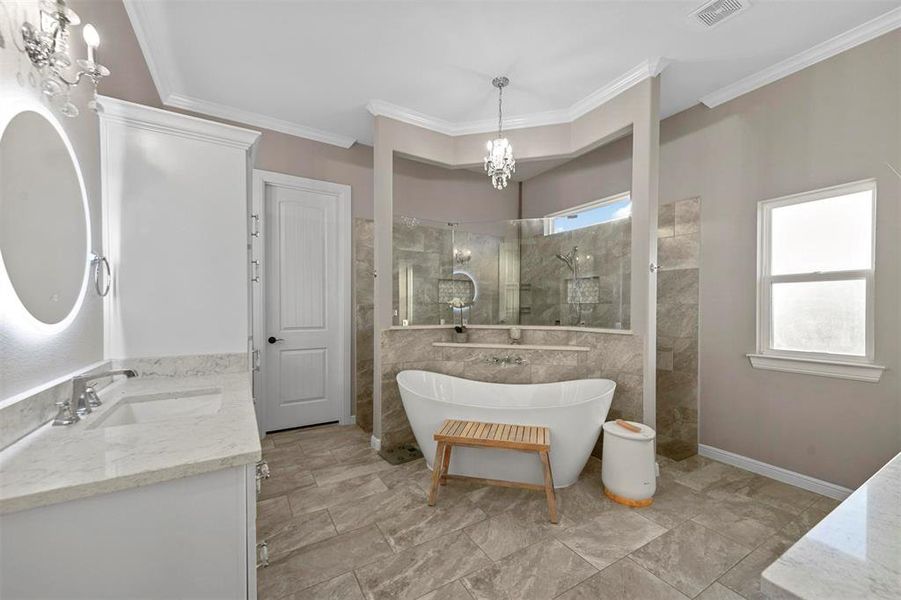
(499, 162)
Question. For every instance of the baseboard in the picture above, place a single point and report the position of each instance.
(376, 443)
(804, 482)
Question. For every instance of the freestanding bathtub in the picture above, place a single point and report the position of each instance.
(573, 410)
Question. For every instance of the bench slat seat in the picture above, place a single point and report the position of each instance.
(502, 436)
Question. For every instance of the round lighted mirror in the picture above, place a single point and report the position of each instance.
(44, 225)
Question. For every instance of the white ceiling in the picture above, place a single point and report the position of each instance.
(311, 68)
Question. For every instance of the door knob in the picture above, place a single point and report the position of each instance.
(273, 339)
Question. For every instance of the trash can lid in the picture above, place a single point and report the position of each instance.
(645, 433)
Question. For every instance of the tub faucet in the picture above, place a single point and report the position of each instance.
(507, 360)
(84, 397)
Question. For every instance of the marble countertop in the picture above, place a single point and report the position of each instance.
(855, 552)
(58, 464)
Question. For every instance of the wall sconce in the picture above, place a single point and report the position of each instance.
(47, 48)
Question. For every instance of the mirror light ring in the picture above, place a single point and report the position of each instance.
(12, 309)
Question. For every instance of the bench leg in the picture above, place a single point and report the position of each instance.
(445, 464)
(437, 466)
(549, 486)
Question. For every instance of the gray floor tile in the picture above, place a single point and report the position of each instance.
(358, 512)
(421, 523)
(768, 491)
(285, 480)
(711, 475)
(452, 591)
(718, 591)
(417, 571)
(342, 587)
(512, 530)
(272, 515)
(316, 498)
(674, 504)
(609, 537)
(363, 466)
(493, 499)
(745, 521)
(322, 561)
(300, 531)
(690, 557)
(623, 580)
(539, 572)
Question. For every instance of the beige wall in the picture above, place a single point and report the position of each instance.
(835, 122)
(602, 172)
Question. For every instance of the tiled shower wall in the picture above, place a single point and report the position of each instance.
(363, 285)
(678, 249)
(604, 254)
(612, 356)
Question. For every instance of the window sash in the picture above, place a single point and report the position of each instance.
(765, 280)
(549, 226)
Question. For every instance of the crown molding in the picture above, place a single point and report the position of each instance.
(838, 44)
(158, 68)
(230, 113)
(645, 70)
(114, 110)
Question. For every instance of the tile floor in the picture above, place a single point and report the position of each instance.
(343, 524)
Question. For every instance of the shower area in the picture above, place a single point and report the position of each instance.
(543, 271)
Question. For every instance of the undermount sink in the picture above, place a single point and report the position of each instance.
(151, 408)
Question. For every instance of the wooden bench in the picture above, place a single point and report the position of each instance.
(474, 434)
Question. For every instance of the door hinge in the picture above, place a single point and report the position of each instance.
(255, 271)
(255, 226)
(255, 359)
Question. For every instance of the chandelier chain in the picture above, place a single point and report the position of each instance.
(500, 110)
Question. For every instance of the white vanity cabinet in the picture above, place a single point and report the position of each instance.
(192, 537)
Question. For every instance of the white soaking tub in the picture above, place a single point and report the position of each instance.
(573, 410)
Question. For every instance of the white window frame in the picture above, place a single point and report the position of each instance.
(845, 366)
(549, 219)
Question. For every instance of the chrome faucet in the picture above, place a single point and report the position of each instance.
(84, 396)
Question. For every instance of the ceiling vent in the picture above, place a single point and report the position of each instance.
(713, 13)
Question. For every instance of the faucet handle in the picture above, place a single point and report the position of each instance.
(91, 397)
(65, 416)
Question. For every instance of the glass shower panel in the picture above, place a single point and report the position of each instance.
(512, 272)
(423, 255)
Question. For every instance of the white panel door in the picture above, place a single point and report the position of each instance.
(307, 288)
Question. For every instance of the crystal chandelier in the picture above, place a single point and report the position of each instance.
(47, 47)
(499, 162)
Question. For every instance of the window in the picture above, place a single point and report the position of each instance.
(612, 208)
(815, 282)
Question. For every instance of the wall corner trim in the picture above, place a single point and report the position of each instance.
(805, 482)
(823, 368)
(375, 443)
(648, 68)
(114, 110)
(844, 41)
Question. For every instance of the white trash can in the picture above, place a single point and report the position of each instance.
(629, 469)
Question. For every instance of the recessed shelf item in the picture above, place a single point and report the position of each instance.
(513, 346)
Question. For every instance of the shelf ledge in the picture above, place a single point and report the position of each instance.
(512, 346)
(824, 368)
